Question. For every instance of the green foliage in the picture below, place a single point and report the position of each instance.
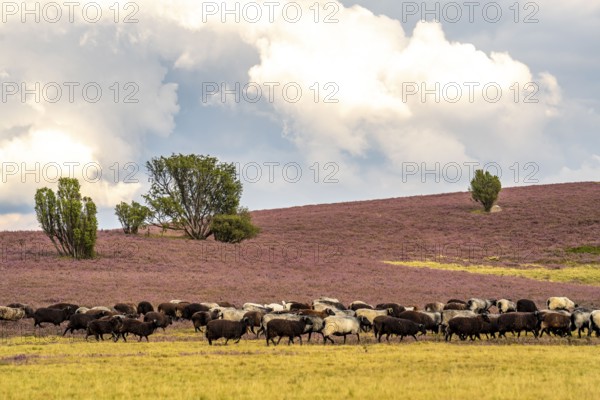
(189, 190)
(132, 217)
(588, 249)
(68, 219)
(234, 228)
(485, 188)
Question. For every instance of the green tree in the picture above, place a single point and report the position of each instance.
(132, 217)
(187, 191)
(485, 188)
(68, 219)
(234, 228)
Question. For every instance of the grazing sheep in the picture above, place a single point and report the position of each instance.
(271, 316)
(162, 320)
(456, 301)
(526, 305)
(127, 309)
(102, 326)
(490, 327)
(343, 326)
(291, 329)
(372, 314)
(295, 306)
(219, 328)
(274, 307)
(517, 322)
(456, 306)
(447, 315)
(580, 320)
(480, 305)
(201, 318)
(560, 303)
(398, 326)
(25, 307)
(422, 319)
(173, 310)
(594, 323)
(397, 308)
(356, 305)
(144, 307)
(317, 326)
(558, 324)
(65, 306)
(55, 316)
(505, 306)
(226, 304)
(191, 309)
(255, 318)
(464, 327)
(434, 307)
(327, 302)
(136, 327)
(231, 314)
(321, 314)
(256, 307)
(79, 322)
(11, 314)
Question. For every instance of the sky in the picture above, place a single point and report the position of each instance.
(315, 102)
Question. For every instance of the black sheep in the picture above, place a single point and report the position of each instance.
(420, 318)
(284, 327)
(466, 327)
(136, 327)
(129, 310)
(398, 326)
(162, 320)
(201, 318)
(144, 307)
(80, 322)
(102, 326)
(220, 328)
(191, 309)
(397, 309)
(517, 322)
(72, 308)
(53, 315)
(526, 305)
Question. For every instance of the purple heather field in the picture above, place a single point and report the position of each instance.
(334, 250)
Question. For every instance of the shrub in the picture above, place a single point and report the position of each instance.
(132, 217)
(234, 228)
(68, 219)
(485, 188)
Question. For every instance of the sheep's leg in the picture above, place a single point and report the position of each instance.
(300, 339)
(358, 337)
(416, 340)
(279, 340)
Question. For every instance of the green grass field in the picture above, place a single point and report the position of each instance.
(186, 369)
(588, 274)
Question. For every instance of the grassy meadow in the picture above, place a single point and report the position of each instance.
(72, 368)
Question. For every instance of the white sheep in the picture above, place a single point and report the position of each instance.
(340, 326)
(560, 303)
(372, 314)
(505, 306)
(11, 314)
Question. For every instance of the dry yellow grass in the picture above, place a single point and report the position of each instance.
(250, 370)
(588, 274)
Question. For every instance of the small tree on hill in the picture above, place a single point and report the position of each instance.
(189, 190)
(132, 217)
(68, 219)
(485, 188)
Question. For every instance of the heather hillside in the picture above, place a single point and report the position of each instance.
(334, 249)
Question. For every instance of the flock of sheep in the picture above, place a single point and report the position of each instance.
(324, 316)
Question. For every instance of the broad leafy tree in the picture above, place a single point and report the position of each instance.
(187, 191)
(132, 217)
